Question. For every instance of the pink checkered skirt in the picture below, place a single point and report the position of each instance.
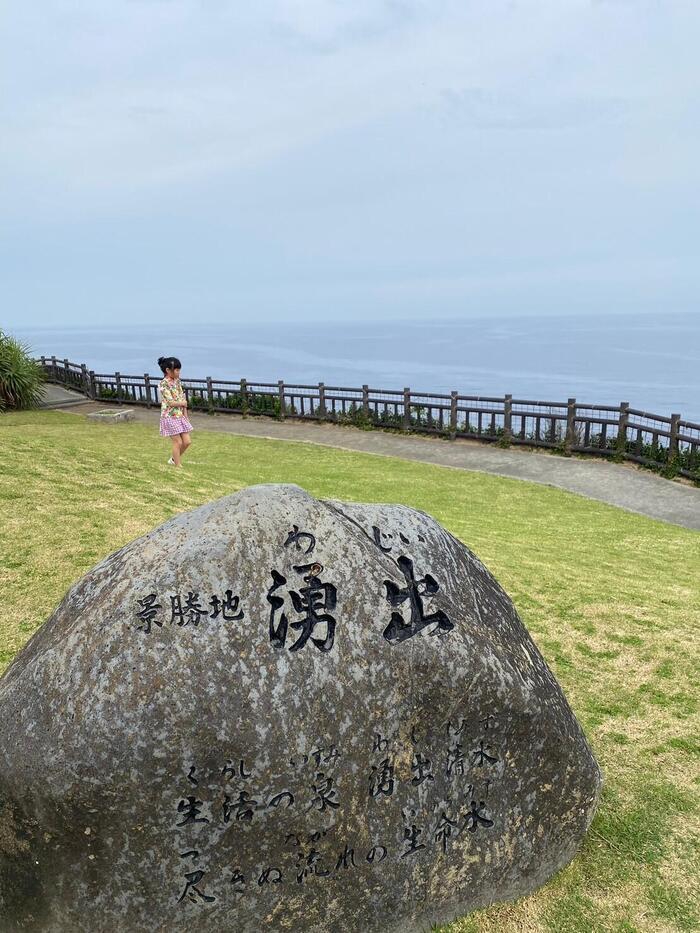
(170, 426)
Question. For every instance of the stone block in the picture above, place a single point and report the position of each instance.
(279, 713)
(112, 416)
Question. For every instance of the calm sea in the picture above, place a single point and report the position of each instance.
(652, 362)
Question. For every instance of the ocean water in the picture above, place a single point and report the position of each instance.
(653, 362)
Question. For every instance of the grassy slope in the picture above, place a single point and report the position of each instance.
(612, 599)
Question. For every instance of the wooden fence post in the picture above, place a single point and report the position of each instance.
(244, 396)
(282, 414)
(322, 401)
(406, 409)
(621, 442)
(210, 393)
(86, 380)
(365, 400)
(118, 380)
(147, 383)
(570, 437)
(508, 418)
(66, 373)
(54, 369)
(673, 440)
(93, 385)
(453, 415)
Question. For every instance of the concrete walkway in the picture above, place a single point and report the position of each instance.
(622, 485)
(58, 397)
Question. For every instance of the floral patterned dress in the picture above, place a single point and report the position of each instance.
(173, 417)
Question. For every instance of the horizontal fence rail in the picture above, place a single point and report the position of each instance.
(569, 427)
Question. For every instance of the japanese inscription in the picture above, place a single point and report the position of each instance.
(237, 796)
(302, 604)
(187, 609)
(437, 789)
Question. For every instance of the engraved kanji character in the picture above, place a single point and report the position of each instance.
(379, 744)
(190, 612)
(444, 830)
(228, 607)
(488, 722)
(191, 890)
(455, 760)
(398, 630)
(382, 780)
(325, 793)
(149, 610)
(476, 817)
(309, 602)
(191, 808)
(244, 807)
(191, 778)
(309, 866)
(480, 756)
(270, 876)
(238, 881)
(421, 767)
(411, 837)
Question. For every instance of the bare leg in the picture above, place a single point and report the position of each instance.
(185, 442)
(176, 449)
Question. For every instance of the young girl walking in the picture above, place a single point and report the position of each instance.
(173, 408)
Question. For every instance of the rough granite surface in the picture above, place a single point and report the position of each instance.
(280, 713)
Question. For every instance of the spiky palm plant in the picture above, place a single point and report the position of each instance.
(21, 379)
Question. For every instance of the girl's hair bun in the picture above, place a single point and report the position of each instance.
(169, 362)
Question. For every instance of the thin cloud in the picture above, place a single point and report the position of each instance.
(317, 153)
(485, 108)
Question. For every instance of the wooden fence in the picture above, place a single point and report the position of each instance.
(569, 427)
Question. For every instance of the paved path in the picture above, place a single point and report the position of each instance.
(623, 485)
(58, 397)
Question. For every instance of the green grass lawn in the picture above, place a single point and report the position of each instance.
(611, 598)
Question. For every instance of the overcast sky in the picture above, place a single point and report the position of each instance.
(179, 160)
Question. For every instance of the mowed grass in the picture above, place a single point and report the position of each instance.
(612, 599)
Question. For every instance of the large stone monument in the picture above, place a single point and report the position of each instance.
(279, 713)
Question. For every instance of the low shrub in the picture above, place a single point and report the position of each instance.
(106, 392)
(21, 378)
(251, 403)
(196, 400)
